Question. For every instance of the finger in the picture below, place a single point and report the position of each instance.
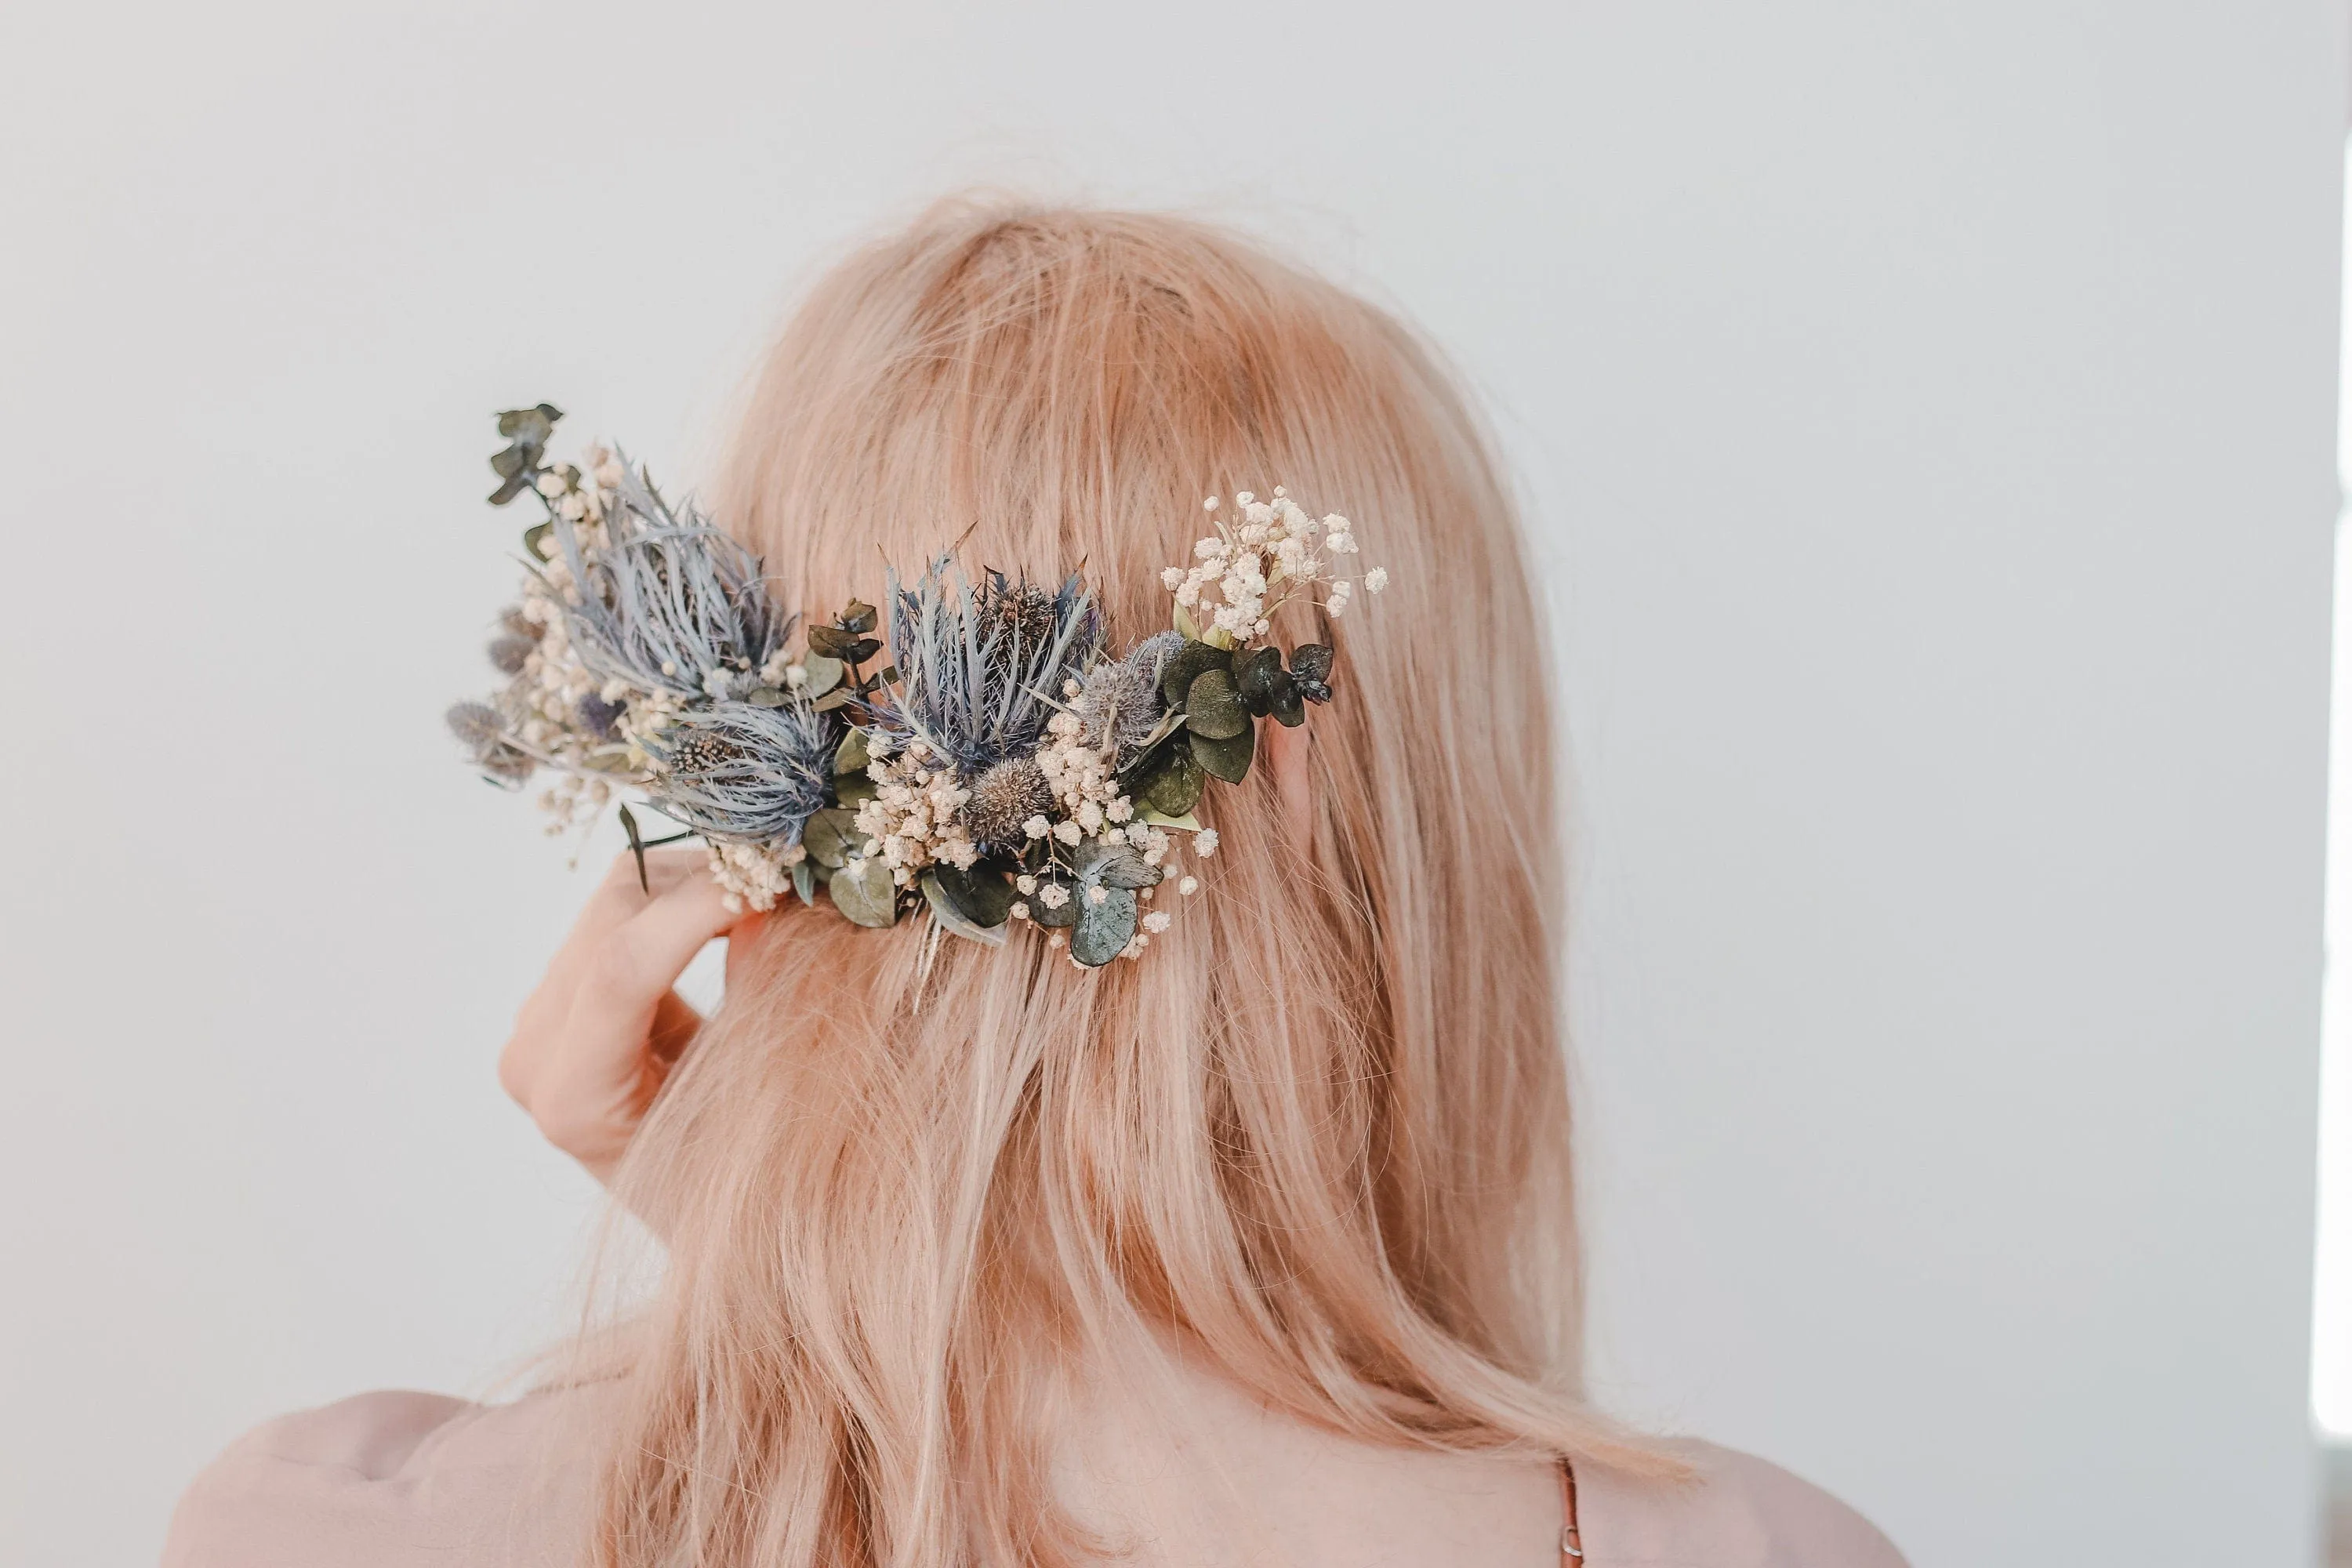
(639, 960)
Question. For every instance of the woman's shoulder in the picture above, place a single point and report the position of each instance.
(1735, 1511)
(389, 1479)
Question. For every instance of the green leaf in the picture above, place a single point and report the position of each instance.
(1264, 685)
(832, 836)
(1185, 666)
(766, 697)
(1213, 708)
(804, 882)
(532, 537)
(1227, 759)
(831, 699)
(1172, 782)
(1187, 823)
(982, 895)
(823, 674)
(863, 891)
(1289, 706)
(945, 889)
(853, 789)
(1187, 625)
(532, 425)
(851, 756)
(1103, 930)
(858, 617)
(1068, 913)
(1115, 866)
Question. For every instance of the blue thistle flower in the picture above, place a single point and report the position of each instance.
(735, 770)
(980, 670)
(671, 600)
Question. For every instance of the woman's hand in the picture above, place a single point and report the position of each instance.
(595, 1041)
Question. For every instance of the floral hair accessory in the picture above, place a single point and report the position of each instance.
(1001, 765)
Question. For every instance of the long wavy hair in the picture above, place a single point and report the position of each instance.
(1319, 1137)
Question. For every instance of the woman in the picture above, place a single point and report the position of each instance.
(1260, 1250)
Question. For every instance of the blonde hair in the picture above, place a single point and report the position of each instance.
(1319, 1134)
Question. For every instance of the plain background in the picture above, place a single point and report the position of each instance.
(1926, 417)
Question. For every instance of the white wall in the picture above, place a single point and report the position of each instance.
(1929, 411)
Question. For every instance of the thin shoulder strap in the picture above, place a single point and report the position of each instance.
(1572, 1545)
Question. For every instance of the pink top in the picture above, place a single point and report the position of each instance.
(405, 1480)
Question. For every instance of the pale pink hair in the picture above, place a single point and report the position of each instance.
(1318, 1134)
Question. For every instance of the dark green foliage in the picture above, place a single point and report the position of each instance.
(1103, 930)
(1226, 758)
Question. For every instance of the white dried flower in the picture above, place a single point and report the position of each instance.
(1209, 505)
(1157, 921)
(1067, 832)
(1019, 912)
(1376, 579)
(1025, 883)
(1189, 886)
(1173, 579)
(1053, 895)
(1098, 895)
(1205, 843)
(1036, 828)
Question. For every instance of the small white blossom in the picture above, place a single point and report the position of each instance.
(1053, 895)
(1036, 828)
(1376, 579)
(1157, 921)
(1020, 911)
(1205, 843)
(1098, 895)
(1189, 886)
(1026, 883)
(1067, 832)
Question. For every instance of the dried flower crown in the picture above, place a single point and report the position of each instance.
(1002, 765)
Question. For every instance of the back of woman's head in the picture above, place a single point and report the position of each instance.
(1317, 1136)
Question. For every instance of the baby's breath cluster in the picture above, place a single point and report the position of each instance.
(914, 819)
(1253, 567)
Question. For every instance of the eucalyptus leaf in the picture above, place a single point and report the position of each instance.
(829, 641)
(804, 881)
(832, 836)
(1103, 930)
(947, 910)
(1175, 783)
(1188, 823)
(851, 756)
(1186, 624)
(533, 537)
(824, 673)
(832, 700)
(858, 617)
(1045, 915)
(1109, 864)
(1289, 705)
(1264, 685)
(863, 891)
(1213, 708)
(1185, 666)
(972, 903)
(853, 789)
(1227, 759)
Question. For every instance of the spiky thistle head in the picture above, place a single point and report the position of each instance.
(1120, 703)
(982, 669)
(742, 772)
(669, 601)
